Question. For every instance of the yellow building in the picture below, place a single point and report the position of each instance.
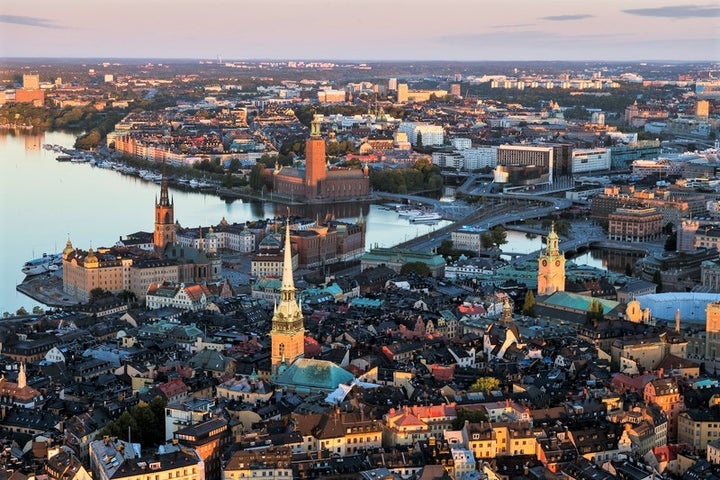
(288, 330)
(85, 271)
(712, 329)
(551, 266)
(699, 427)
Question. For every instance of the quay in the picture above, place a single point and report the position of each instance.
(47, 289)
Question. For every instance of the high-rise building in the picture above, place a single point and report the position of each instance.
(702, 109)
(455, 90)
(287, 333)
(164, 218)
(392, 84)
(686, 235)
(31, 82)
(402, 93)
(551, 266)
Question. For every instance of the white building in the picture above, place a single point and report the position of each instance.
(192, 297)
(430, 134)
(480, 157)
(590, 160)
(461, 143)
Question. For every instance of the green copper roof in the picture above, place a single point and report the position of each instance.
(578, 302)
(308, 374)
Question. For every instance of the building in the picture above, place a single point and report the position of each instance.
(712, 329)
(178, 295)
(635, 225)
(702, 109)
(664, 392)
(590, 160)
(316, 182)
(31, 81)
(467, 238)
(698, 427)
(395, 259)
(287, 333)
(18, 393)
(402, 93)
(551, 266)
(164, 219)
(423, 134)
(686, 235)
(117, 269)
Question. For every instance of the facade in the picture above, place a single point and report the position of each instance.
(395, 259)
(187, 297)
(635, 225)
(665, 394)
(699, 427)
(712, 328)
(590, 160)
(402, 92)
(287, 333)
(551, 266)
(315, 182)
(164, 219)
(467, 238)
(428, 134)
(686, 235)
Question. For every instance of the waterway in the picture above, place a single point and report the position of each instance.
(44, 201)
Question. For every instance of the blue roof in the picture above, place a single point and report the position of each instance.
(309, 374)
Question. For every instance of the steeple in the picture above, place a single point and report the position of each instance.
(287, 290)
(506, 315)
(22, 378)
(553, 242)
(315, 127)
(164, 197)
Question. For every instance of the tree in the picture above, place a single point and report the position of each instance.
(38, 310)
(671, 242)
(418, 140)
(486, 240)
(418, 268)
(21, 311)
(446, 248)
(96, 293)
(484, 384)
(499, 235)
(628, 269)
(595, 312)
(657, 280)
(257, 177)
(472, 416)
(529, 305)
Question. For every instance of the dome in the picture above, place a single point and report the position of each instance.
(68, 248)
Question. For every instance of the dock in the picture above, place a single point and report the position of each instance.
(47, 289)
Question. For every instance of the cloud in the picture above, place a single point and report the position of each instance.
(678, 11)
(28, 21)
(563, 18)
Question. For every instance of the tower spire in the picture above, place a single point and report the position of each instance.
(164, 198)
(22, 377)
(553, 241)
(287, 290)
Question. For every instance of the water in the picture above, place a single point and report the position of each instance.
(44, 201)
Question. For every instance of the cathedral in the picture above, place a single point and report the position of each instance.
(551, 266)
(317, 183)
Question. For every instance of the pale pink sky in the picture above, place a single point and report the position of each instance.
(369, 30)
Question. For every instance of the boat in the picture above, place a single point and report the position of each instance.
(426, 218)
(63, 158)
(410, 213)
(36, 266)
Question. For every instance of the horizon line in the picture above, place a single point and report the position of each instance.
(354, 60)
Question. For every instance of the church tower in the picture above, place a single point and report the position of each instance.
(288, 331)
(551, 266)
(164, 218)
(315, 169)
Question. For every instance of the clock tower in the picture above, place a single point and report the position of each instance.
(551, 266)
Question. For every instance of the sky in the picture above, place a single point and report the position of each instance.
(463, 30)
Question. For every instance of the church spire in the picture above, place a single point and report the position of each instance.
(287, 290)
(164, 198)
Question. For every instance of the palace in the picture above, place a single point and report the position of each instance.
(118, 269)
(316, 182)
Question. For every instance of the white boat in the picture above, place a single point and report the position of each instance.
(40, 265)
(410, 213)
(426, 218)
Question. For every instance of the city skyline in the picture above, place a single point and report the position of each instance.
(458, 30)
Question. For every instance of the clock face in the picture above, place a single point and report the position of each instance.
(557, 263)
(544, 262)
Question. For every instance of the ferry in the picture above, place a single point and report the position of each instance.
(43, 264)
(431, 217)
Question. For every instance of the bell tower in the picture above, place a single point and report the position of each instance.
(287, 333)
(315, 169)
(164, 217)
(551, 266)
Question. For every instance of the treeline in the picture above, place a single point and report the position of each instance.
(144, 422)
(421, 178)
